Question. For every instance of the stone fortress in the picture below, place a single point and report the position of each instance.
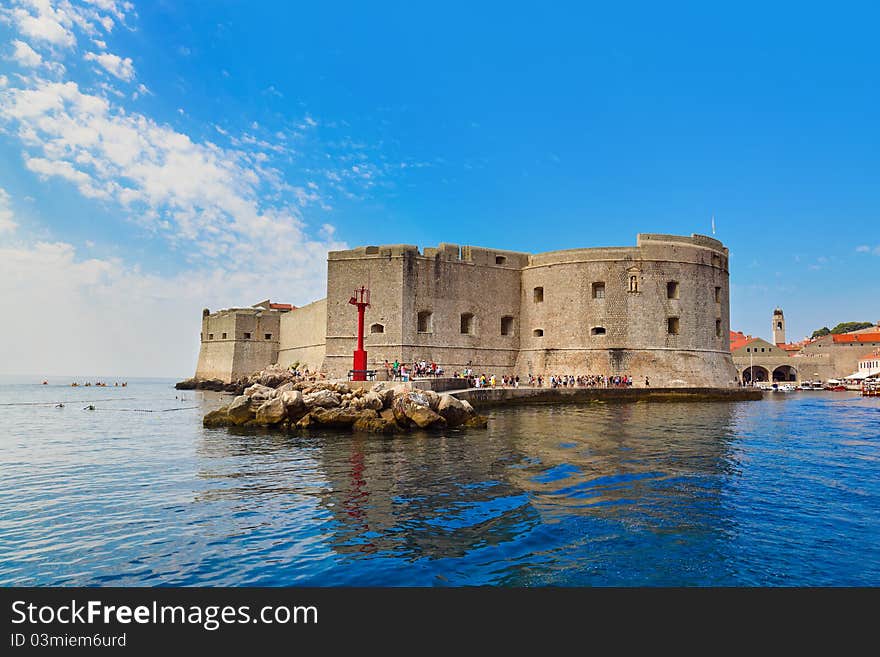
(658, 310)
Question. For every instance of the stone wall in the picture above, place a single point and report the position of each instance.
(237, 342)
(303, 336)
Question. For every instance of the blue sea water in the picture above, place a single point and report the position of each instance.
(784, 491)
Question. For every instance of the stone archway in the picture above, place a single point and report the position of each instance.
(785, 373)
(755, 374)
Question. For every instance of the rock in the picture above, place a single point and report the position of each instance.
(414, 408)
(453, 410)
(321, 398)
(259, 392)
(292, 399)
(468, 407)
(432, 397)
(240, 410)
(373, 401)
(271, 412)
(186, 384)
(387, 414)
(476, 422)
(218, 418)
(337, 418)
(375, 425)
(342, 388)
(305, 422)
(290, 385)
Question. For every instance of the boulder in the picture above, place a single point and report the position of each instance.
(432, 397)
(372, 401)
(321, 398)
(259, 392)
(290, 385)
(305, 422)
(338, 418)
(476, 422)
(293, 402)
(468, 407)
(414, 408)
(271, 412)
(453, 410)
(387, 414)
(218, 418)
(375, 425)
(240, 410)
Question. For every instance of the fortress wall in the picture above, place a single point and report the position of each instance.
(636, 339)
(235, 355)
(484, 284)
(303, 336)
(380, 268)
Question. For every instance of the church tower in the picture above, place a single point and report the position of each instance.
(778, 327)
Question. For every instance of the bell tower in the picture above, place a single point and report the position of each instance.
(778, 326)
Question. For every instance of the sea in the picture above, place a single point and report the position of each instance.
(779, 492)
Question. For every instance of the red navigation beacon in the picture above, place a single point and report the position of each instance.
(361, 299)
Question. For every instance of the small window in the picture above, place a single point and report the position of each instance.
(377, 328)
(539, 294)
(717, 328)
(467, 323)
(672, 290)
(222, 336)
(599, 290)
(672, 326)
(268, 336)
(210, 336)
(500, 260)
(779, 325)
(762, 350)
(507, 325)
(633, 283)
(717, 295)
(247, 336)
(597, 330)
(538, 333)
(426, 321)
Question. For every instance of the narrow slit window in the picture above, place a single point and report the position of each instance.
(717, 328)
(717, 295)
(673, 326)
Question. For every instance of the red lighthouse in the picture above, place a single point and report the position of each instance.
(361, 299)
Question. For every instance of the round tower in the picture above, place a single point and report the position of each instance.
(778, 326)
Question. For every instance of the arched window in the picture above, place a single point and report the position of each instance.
(377, 328)
(538, 333)
(597, 330)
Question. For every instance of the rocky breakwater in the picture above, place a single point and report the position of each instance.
(336, 405)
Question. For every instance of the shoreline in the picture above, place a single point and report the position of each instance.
(486, 397)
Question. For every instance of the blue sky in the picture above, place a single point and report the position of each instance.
(159, 157)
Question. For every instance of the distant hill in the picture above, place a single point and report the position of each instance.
(843, 327)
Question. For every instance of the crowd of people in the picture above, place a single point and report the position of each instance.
(398, 371)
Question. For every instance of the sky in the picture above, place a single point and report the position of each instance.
(158, 158)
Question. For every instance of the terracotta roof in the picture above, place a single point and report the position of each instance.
(857, 337)
(739, 339)
(789, 347)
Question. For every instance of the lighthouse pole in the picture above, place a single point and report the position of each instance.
(361, 299)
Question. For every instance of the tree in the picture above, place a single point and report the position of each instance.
(847, 327)
(821, 332)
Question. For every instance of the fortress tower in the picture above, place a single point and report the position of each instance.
(778, 327)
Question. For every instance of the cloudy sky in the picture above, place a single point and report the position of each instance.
(157, 158)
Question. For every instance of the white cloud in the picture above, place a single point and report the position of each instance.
(867, 249)
(25, 55)
(121, 67)
(40, 20)
(4, 81)
(7, 225)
